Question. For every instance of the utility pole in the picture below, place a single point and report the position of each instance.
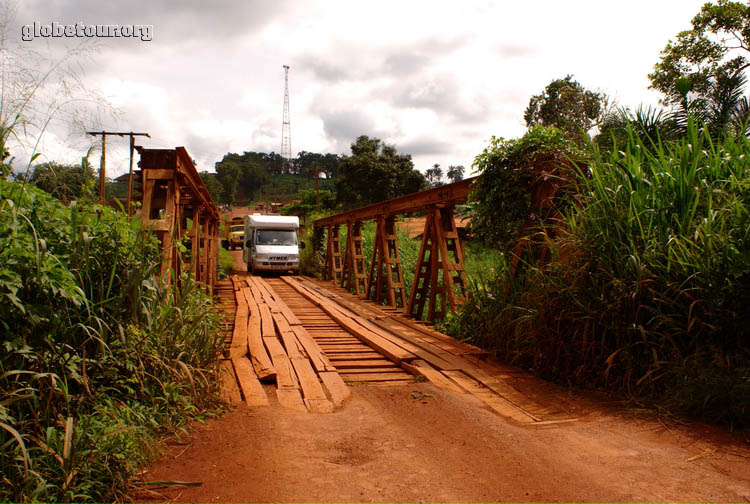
(103, 164)
(317, 187)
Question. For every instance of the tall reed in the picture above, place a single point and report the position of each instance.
(648, 291)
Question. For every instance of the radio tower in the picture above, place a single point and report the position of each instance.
(286, 134)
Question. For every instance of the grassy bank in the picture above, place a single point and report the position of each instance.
(648, 288)
(99, 357)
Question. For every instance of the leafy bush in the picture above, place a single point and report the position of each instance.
(648, 291)
(98, 355)
(508, 169)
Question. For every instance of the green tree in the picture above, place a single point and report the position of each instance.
(702, 74)
(375, 172)
(434, 175)
(567, 105)
(228, 173)
(307, 162)
(215, 188)
(456, 173)
(702, 58)
(64, 182)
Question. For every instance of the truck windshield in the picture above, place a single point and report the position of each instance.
(237, 228)
(275, 237)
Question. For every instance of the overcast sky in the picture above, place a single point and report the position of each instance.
(436, 79)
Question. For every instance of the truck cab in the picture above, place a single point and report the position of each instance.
(234, 233)
(271, 243)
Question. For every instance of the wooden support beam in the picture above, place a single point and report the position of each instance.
(353, 276)
(195, 249)
(440, 267)
(334, 267)
(386, 281)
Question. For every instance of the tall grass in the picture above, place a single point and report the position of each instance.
(98, 356)
(648, 291)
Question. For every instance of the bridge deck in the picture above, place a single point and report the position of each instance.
(312, 341)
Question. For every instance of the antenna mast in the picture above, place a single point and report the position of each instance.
(286, 134)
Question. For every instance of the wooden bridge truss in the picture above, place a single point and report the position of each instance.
(171, 193)
(439, 281)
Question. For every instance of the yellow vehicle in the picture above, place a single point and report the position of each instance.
(234, 233)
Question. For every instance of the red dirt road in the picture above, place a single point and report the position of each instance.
(391, 444)
(417, 443)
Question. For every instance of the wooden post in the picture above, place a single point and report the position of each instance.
(102, 168)
(195, 249)
(317, 188)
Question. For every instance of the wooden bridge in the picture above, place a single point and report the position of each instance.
(312, 339)
(439, 279)
(307, 343)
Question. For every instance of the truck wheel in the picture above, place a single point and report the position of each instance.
(249, 268)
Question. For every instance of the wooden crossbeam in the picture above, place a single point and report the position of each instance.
(448, 194)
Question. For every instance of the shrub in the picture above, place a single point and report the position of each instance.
(648, 289)
(98, 355)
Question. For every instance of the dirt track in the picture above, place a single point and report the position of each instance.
(419, 443)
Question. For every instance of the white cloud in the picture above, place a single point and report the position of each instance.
(438, 77)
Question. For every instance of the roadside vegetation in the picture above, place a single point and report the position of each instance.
(99, 357)
(627, 255)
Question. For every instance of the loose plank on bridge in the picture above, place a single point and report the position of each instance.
(297, 362)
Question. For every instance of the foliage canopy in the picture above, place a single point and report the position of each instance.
(567, 105)
(502, 194)
(376, 172)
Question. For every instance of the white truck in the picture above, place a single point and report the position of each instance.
(271, 243)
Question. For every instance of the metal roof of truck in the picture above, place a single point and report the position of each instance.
(273, 221)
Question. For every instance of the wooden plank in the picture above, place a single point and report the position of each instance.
(319, 361)
(238, 346)
(501, 388)
(288, 313)
(354, 356)
(285, 377)
(365, 363)
(251, 387)
(258, 356)
(287, 336)
(387, 348)
(291, 398)
(379, 369)
(336, 387)
(366, 377)
(229, 391)
(497, 403)
(266, 321)
(314, 397)
(394, 318)
(455, 193)
(420, 367)
(409, 342)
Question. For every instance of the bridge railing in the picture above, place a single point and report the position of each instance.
(439, 280)
(172, 193)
